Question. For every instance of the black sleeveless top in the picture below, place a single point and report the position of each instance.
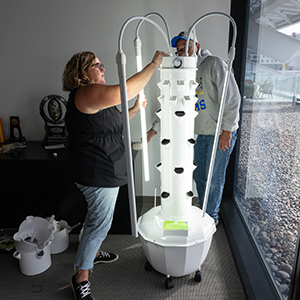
(96, 146)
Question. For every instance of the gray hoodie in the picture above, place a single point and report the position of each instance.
(210, 76)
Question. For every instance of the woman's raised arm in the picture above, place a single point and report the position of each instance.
(93, 97)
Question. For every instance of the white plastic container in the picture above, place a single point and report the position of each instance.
(61, 237)
(32, 243)
(176, 252)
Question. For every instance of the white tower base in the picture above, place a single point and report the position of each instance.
(176, 248)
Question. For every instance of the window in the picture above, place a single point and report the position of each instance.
(268, 175)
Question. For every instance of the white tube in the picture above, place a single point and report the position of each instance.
(121, 61)
(142, 18)
(210, 15)
(168, 37)
(216, 139)
(138, 53)
(223, 97)
(138, 45)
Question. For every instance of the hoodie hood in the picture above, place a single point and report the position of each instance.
(202, 54)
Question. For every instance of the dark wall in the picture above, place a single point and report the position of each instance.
(240, 13)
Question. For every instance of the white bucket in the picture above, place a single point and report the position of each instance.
(35, 262)
(61, 235)
(32, 243)
(61, 238)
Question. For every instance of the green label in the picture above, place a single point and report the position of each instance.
(176, 225)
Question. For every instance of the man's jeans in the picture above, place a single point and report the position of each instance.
(202, 155)
(100, 204)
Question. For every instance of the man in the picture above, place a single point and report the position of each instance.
(210, 77)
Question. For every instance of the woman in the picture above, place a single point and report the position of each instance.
(96, 150)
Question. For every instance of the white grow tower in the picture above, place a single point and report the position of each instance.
(176, 236)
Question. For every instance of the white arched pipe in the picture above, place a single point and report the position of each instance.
(231, 55)
(121, 62)
(167, 37)
(138, 54)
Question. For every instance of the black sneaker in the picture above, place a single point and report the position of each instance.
(105, 257)
(81, 290)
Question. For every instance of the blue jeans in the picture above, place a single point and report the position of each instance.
(101, 203)
(202, 155)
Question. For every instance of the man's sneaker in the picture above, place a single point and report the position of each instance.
(81, 290)
(105, 257)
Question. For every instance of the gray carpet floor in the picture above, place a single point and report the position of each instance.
(125, 278)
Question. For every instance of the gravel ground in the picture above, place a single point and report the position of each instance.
(269, 183)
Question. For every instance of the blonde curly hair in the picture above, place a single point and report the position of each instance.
(73, 76)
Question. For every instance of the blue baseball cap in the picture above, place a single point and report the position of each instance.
(182, 35)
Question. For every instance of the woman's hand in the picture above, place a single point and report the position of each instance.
(158, 57)
(144, 102)
(137, 105)
(150, 134)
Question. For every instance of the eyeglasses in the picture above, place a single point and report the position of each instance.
(179, 52)
(99, 66)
